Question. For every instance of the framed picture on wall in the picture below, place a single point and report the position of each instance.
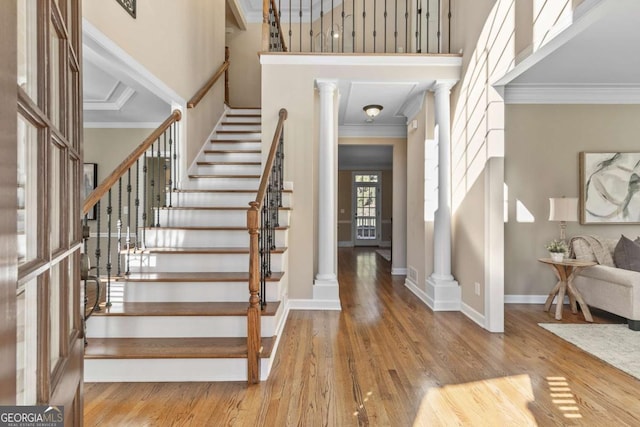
(610, 188)
(129, 6)
(89, 183)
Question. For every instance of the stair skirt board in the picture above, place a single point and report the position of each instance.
(202, 238)
(177, 326)
(171, 370)
(195, 291)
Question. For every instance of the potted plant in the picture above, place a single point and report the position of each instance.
(557, 250)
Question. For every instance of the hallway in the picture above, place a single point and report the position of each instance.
(387, 360)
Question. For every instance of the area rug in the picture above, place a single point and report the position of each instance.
(384, 253)
(615, 344)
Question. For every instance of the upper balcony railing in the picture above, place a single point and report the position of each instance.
(357, 26)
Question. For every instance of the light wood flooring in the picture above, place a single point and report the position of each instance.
(387, 360)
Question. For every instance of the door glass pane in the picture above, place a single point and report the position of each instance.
(27, 191)
(28, 47)
(54, 70)
(54, 316)
(55, 195)
(27, 343)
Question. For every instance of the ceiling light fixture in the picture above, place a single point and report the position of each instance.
(372, 110)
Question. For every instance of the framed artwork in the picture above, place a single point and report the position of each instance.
(129, 6)
(610, 188)
(89, 183)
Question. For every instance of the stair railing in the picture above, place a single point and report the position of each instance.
(148, 176)
(262, 222)
(363, 26)
(222, 70)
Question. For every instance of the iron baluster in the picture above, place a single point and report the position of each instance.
(119, 224)
(109, 211)
(427, 29)
(364, 25)
(385, 26)
(449, 29)
(406, 26)
(171, 165)
(419, 27)
(98, 251)
(332, 31)
(342, 28)
(321, 26)
(152, 184)
(290, 32)
(137, 202)
(145, 168)
(311, 26)
(353, 26)
(374, 26)
(300, 24)
(128, 240)
(158, 183)
(438, 34)
(164, 171)
(395, 31)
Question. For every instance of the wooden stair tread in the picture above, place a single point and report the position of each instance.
(195, 277)
(237, 131)
(195, 190)
(225, 176)
(229, 163)
(241, 123)
(221, 250)
(172, 348)
(204, 228)
(184, 309)
(214, 208)
(232, 151)
(227, 141)
(244, 115)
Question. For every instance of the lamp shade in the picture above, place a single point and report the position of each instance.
(563, 209)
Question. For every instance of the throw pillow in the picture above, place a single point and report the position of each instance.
(627, 254)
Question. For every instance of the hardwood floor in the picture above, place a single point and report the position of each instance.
(387, 360)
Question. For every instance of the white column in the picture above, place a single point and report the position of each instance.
(442, 289)
(326, 283)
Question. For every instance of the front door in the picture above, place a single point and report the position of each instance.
(366, 202)
(47, 145)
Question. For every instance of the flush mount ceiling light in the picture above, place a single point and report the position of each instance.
(372, 110)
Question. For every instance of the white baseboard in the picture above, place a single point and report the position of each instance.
(529, 299)
(422, 295)
(345, 244)
(312, 304)
(395, 271)
(472, 314)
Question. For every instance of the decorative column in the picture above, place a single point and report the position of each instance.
(326, 282)
(442, 289)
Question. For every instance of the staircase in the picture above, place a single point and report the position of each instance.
(182, 315)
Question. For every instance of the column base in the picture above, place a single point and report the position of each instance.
(443, 294)
(327, 291)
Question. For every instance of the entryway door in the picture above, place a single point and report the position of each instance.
(367, 208)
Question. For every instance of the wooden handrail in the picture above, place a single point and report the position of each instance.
(264, 181)
(277, 17)
(195, 100)
(123, 167)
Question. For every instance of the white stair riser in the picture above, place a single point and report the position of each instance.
(210, 218)
(222, 169)
(170, 370)
(174, 238)
(220, 199)
(243, 119)
(175, 326)
(194, 291)
(231, 157)
(222, 184)
(244, 111)
(175, 263)
(241, 145)
(237, 136)
(244, 127)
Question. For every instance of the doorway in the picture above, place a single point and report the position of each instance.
(367, 208)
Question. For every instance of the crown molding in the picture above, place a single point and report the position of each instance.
(571, 94)
(372, 131)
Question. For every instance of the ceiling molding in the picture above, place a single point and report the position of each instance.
(116, 105)
(572, 94)
(372, 131)
(413, 105)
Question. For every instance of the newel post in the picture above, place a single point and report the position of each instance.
(253, 312)
(265, 26)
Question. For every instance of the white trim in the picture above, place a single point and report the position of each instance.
(345, 244)
(121, 125)
(572, 94)
(445, 294)
(264, 373)
(494, 245)
(398, 271)
(422, 295)
(116, 105)
(529, 299)
(472, 314)
(313, 304)
(395, 60)
(372, 131)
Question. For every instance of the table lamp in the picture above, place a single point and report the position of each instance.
(563, 209)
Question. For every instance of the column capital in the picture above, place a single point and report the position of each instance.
(443, 85)
(326, 85)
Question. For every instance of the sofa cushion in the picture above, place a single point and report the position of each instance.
(627, 254)
(618, 276)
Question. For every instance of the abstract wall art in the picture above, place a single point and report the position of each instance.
(129, 6)
(610, 188)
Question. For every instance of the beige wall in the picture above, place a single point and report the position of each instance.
(182, 46)
(345, 203)
(108, 147)
(244, 68)
(542, 147)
